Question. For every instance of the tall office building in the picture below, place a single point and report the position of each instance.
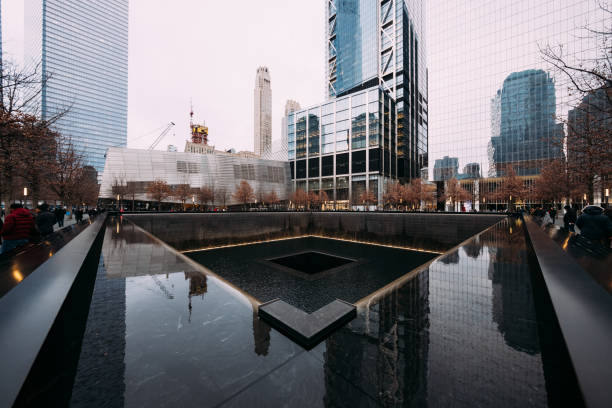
(263, 112)
(473, 48)
(382, 43)
(290, 106)
(83, 50)
(529, 135)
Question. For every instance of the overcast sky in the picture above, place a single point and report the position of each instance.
(209, 51)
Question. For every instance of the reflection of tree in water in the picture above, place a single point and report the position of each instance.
(261, 335)
(450, 258)
(197, 286)
(383, 351)
(513, 305)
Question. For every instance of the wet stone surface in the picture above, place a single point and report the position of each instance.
(311, 262)
(249, 268)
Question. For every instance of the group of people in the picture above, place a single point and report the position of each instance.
(594, 222)
(21, 226)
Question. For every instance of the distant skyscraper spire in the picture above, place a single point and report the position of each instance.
(263, 112)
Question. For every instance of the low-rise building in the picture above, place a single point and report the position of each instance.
(134, 169)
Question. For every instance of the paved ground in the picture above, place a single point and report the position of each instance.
(70, 221)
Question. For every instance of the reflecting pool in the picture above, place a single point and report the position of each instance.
(472, 328)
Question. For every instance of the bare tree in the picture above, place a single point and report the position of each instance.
(223, 195)
(393, 194)
(182, 192)
(271, 198)
(159, 190)
(553, 183)
(119, 188)
(455, 193)
(367, 198)
(589, 124)
(65, 175)
(511, 188)
(244, 193)
(299, 198)
(591, 72)
(26, 140)
(206, 195)
(87, 187)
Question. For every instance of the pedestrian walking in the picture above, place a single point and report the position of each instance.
(78, 215)
(59, 216)
(547, 220)
(569, 219)
(18, 228)
(45, 220)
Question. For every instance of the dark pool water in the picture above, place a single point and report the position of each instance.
(473, 328)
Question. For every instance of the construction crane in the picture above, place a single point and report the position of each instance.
(161, 136)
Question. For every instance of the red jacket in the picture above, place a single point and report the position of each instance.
(19, 224)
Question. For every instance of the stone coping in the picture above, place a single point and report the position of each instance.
(29, 311)
(584, 313)
(307, 329)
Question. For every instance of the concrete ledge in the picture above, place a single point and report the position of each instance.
(584, 313)
(30, 310)
(307, 330)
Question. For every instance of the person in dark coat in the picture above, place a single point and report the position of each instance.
(59, 216)
(78, 215)
(45, 220)
(18, 228)
(594, 225)
(569, 219)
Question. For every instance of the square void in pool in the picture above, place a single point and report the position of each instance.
(310, 272)
(311, 262)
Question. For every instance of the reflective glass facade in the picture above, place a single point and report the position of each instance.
(383, 43)
(344, 146)
(493, 99)
(83, 47)
(529, 135)
(137, 168)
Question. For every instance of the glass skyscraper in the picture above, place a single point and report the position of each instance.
(382, 43)
(492, 97)
(529, 135)
(82, 47)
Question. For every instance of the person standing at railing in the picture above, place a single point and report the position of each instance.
(18, 228)
(45, 220)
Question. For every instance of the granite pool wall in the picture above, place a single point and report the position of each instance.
(426, 231)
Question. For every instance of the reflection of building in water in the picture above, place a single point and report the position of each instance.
(473, 356)
(261, 335)
(513, 307)
(384, 351)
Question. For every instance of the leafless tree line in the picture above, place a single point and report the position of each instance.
(33, 154)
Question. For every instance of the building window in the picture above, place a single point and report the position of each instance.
(358, 164)
(374, 164)
(300, 169)
(313, 167)
(342, 163)
(327, 166)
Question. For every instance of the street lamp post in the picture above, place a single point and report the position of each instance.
(25, 196)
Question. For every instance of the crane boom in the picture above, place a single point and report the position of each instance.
(161, 136)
